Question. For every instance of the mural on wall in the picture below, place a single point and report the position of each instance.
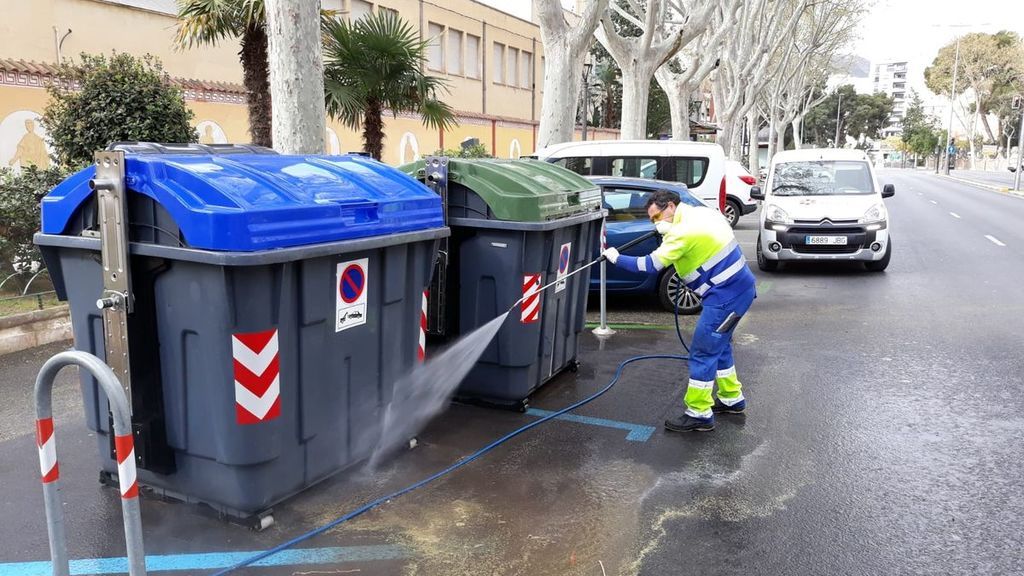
(210, 132)
(23, 141)
(514, 150)
(408, 144)
(331, 142)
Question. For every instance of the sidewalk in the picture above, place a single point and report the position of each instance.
(986, 185)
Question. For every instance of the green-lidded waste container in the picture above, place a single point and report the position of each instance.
(516, 225)
(275, 300)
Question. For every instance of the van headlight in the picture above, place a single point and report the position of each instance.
(775, 214)
(874, 215)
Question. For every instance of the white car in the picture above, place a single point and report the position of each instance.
(698, 165)
(737, 192)
(823, 204)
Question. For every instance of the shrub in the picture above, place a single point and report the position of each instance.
(20, 195)
(103, 100)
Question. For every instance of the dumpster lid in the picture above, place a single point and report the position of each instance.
(246, 201)
(521, 190)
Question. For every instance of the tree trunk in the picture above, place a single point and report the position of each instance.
(987, 126)
(736, 141)
(753, 153)
(798, 140)
(373, 130)
(636, 89)
(560, 104)
(678, 103)
(972, 134)
(564, 49)
(255, 76)
(724, 138)
(780, 137)
(681, 116)
(296, 76)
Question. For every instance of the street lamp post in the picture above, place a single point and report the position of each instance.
(1020, 150)
(839, 110)
(586, 96)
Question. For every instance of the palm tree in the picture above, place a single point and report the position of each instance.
(373, 65)
(206, 22)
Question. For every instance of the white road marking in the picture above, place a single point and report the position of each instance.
(933, 202)
(954, 215)
(920, 193)
(994, 240)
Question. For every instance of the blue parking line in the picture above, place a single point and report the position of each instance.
(214, 560)
(637, 432)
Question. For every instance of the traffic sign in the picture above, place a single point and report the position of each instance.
(352, 283)
(351, 290)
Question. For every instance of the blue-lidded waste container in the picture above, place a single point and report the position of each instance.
(276, 300)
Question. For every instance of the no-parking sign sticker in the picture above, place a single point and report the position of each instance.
(563, 266)
(350, 294)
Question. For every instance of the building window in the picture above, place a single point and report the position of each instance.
(435, 51)
(384, 10)
(454, 51)
(337, 6)
(357, 9)
(526, 70)
(513, 67)
(472, 56)
(499, 63)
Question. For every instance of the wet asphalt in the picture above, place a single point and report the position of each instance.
(884, 436)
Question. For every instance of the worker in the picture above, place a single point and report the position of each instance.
(701, 246)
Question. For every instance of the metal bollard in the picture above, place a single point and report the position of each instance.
(50, 470)
(603, 331)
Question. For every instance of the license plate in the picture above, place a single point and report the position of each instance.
(826, 240)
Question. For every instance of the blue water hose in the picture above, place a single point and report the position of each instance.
(478, 454)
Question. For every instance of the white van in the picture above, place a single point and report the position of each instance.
(823, 204)
(698, 165)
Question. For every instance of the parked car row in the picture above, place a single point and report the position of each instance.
(819, 204)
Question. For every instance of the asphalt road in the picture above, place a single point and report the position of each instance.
(886, 407)
(884, 436)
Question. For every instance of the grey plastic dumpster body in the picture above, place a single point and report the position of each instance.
(511, 222)
(258, 370)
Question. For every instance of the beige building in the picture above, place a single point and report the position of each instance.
(492, 61)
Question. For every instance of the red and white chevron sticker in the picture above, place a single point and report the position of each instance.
(530, 308)
(257, 376)
(421, 352)
(126, 477)
(47, 446)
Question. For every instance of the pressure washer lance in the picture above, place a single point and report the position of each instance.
(599, 259)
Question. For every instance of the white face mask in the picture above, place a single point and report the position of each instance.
(663, 226)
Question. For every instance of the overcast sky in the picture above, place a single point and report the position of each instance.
(911, 30)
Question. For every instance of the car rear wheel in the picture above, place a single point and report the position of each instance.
(732, 212)
(881, 265)
(668, 289)
(764, 263)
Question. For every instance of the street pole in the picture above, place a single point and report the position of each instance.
(952, 95)
(603, 331)
(1020, 151)
(839, 110)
